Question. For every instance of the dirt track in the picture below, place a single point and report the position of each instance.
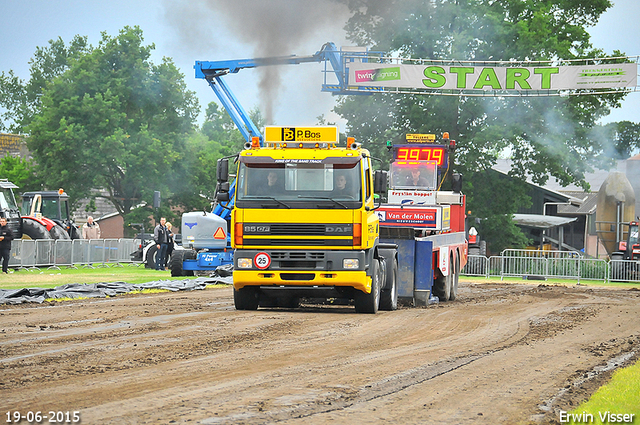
(500, 354)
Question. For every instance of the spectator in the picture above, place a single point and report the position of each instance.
(161, 237)
(170, 244)
(91, 229)
(6, 236)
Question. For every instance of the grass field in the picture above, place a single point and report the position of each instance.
(50, 278)
(621, 396)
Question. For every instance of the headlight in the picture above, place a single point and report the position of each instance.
(350, 263)
(244, 263)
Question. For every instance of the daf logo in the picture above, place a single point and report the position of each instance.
(338, 229)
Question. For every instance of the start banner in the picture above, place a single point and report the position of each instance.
(497, 77)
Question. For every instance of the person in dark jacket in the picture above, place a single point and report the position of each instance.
(161, 237)
(6, 236)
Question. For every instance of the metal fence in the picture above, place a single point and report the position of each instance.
(512, 263)
(551, 264)
(66, 252)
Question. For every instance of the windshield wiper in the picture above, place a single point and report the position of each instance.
(251, 198)
(324, 197)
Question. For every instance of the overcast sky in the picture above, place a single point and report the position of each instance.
(192, 30)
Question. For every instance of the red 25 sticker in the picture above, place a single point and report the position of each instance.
(262, 260)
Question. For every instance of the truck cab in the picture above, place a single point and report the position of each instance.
(304, 224)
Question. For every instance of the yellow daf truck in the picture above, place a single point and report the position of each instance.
(304, 222)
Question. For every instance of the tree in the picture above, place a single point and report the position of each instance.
(625, 136)
(21, 100)
(113, 120)
(544, 136)
(20, 172)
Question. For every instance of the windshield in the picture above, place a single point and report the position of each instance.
(421, 175)
(7, 200)
(633, 234)
(288, 184)
(50, 208)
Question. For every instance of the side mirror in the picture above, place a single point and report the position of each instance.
(222, 196)
(380, 179)
(456, 182)
(222, 170)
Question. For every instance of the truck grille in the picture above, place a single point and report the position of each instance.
(298, 242)
(276, 255)
(298, 229)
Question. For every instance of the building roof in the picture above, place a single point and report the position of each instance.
(588, 206)
(538, 221)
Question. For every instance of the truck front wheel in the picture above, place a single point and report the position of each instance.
(246, 298)
(368, 303)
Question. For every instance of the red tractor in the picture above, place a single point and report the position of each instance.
(45, 215)
(629, 249)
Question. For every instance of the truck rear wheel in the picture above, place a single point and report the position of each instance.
(368, 303)
(454, 281)
(442, 287)
(389, 296)
(31, 229)
(246, 298)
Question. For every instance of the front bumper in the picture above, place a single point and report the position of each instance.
(302, 279)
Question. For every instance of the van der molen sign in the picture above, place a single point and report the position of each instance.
(461, 77)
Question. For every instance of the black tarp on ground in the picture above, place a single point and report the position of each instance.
(101, 290)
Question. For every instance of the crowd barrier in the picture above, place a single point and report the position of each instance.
(511, 263)
(551, 264)
(67, 252)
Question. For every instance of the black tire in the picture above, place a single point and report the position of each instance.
(483, 248)
(442, 286)
(448, 282)
(31, 229)
(188, 254)
(74, 232)
(58, 232)
(150, 258)
(369, 303)
(246, 298)
(454, 281)
(389, 296)
(176, 263)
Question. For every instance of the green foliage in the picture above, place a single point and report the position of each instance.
(20, 172)
(544, 136)
(626, 138)
(114, 120)
(494, 198)
(22, 99)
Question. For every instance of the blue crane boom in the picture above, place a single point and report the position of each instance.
(335, 60)
(335, 63)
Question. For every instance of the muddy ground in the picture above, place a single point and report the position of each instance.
(500, 354)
